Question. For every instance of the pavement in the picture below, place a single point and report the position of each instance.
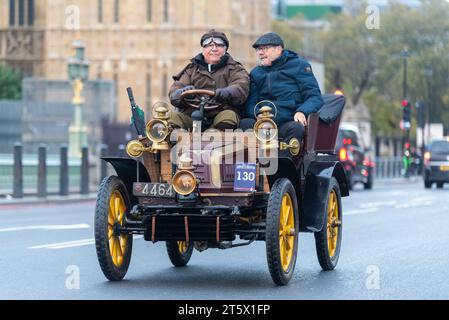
(51, 199)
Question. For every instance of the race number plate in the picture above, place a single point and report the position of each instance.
(245, 177)
(157, 190)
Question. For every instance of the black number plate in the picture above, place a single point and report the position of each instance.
(157, 190)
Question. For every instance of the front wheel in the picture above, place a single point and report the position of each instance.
(328, 240)
(281, 234)
(113, 247)
(179, 252)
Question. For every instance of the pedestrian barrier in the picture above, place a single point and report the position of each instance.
(390, 167)
(45, 174)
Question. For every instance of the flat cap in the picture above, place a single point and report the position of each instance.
(269, 39)
(215, 34)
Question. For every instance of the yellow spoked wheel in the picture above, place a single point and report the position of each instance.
(333, 223)
(182, 246)
(179, 252)
(286, 231)
(328, 240)
(117, 242)
(113, 246)
(281, 234)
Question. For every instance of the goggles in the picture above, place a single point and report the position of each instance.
(217, 41)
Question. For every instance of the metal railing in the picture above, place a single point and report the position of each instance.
(42, 174)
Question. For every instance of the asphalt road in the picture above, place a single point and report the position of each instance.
(395, 246)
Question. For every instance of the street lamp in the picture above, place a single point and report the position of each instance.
(78, 72)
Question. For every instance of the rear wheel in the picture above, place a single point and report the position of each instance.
(440, 185)
(113, 248)
(328, 240)
(281, 235)
(179, 252)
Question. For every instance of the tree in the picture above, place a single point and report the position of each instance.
(10, 83)
(351, 54)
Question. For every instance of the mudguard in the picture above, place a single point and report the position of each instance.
(127, 171)
(317, 183)
(286, 169)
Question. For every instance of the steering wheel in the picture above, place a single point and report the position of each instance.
(194, 98)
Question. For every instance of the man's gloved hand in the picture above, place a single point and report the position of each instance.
(225, 94)
(176, 97)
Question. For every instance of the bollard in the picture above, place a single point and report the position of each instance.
(121, 150)
(42, 172)
(84, 188)
(103, 165)
(63, 172)
(18, 172)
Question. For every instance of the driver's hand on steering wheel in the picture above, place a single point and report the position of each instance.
(177, 94)
(224, 94)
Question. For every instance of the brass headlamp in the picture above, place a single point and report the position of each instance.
(266, 129)
(157, 130)
(184, 181)
(135, 148)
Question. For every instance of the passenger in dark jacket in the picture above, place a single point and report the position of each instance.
(288, 81)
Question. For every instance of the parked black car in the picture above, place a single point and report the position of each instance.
(355, 156)
(436, 164)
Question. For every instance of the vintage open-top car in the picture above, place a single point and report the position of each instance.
(203, 189)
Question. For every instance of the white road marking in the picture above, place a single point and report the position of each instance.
(47, 227)
(360, 211)
(72, 244)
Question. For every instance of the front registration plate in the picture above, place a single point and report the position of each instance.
(444, 168)
(157, 190)
(245, 177)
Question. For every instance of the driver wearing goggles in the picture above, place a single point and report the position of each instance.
(209, 42)
(213, 69)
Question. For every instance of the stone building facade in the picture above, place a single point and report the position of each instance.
(137, 43)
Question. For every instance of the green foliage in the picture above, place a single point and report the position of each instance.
(292, 36)
(369, 64)
(10, 83)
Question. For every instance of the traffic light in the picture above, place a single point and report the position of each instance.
(406, 113)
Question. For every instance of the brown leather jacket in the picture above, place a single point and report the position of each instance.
(211, 77)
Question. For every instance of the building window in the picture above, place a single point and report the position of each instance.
(21, 12)
(149, 10)
(166, 10)
(30, 12)
(12, 12)
(116, 11)
(100, 11)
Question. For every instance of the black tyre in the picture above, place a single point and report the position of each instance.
(440, 185)
(281, 233)
(369, 184)
(179, 252)
(427, 184)
(328, 240)
(113, 248)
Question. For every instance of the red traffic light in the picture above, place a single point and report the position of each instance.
(404, 103)
(407, 145)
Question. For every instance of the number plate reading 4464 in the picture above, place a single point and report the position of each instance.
(245, 177)
(158, 190)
